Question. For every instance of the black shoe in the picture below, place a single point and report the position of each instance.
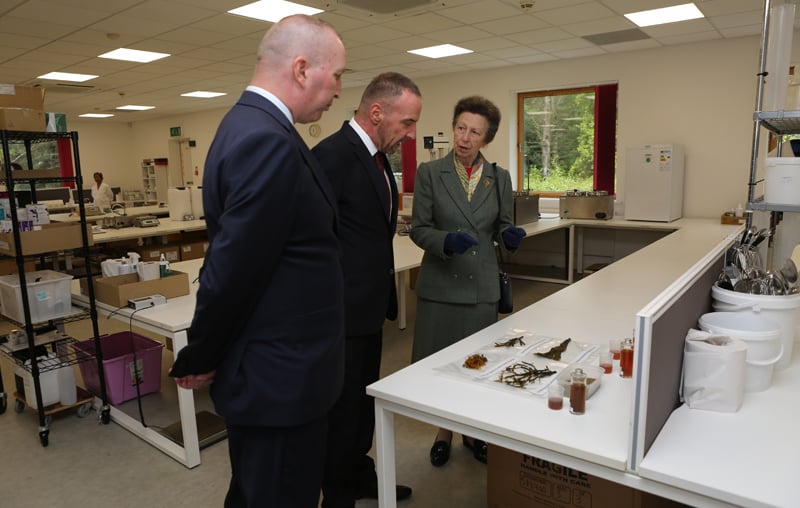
(478, 447)
(440, 453)
(370, 491)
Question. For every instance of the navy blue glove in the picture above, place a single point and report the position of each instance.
(458, 243)
(512, 237)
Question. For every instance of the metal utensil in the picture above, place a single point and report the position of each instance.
(789, 273)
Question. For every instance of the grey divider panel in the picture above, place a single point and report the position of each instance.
(662, 332)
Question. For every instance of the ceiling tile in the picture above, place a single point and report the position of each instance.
(481, 11)
(518, 23)
(576, 13)
(423, 23)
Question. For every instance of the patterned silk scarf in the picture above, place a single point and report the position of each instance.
(469, 177)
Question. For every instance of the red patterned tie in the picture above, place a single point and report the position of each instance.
(379, 161)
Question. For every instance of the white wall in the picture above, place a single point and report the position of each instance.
(701, 95)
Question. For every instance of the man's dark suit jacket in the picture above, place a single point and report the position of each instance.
(269, 315)
(365, 229)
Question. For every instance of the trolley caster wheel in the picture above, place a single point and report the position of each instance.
(19, 406)
(44, 437)
(84, 410)
(105, 416)
(3, 404)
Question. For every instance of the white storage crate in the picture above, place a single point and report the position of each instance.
(49, 295)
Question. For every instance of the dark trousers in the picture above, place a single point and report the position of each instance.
(279, 467)
(351, 424)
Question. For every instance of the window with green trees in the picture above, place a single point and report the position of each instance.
(558, 137)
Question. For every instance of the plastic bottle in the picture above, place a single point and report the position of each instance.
(163, 266)
(739, 211)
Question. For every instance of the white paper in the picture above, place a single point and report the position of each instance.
(713, 372)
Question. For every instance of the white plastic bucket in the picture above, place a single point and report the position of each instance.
(780, 308)
(763, 338)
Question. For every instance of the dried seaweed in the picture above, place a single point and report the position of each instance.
(514, 341)
(555, 352)
(522, 374)
(475, 361)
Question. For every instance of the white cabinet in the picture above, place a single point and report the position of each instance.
(154, 180)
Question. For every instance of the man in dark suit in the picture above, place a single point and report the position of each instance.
(268, 329)
(355, 161)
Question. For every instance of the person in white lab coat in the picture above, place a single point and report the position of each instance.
(102, 196)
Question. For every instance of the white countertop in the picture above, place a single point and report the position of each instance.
(593, 310)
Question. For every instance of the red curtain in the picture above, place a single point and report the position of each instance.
(65, 161)
(409, 158)
(605, 136)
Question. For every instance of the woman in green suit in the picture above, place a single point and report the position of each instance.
(456, 221)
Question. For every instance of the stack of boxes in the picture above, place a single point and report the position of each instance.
(22, 108)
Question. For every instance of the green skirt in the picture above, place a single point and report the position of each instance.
(440, 324)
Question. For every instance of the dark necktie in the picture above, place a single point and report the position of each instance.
(379, 161)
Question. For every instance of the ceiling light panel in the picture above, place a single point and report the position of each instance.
(67, 76)
(134, 107)
(665, 15)
(273, 10)
(203, 95)
(441, 51)
(133, 55)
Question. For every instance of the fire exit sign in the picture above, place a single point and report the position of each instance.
(174, 131)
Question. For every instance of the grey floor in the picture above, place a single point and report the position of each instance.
(88, 464)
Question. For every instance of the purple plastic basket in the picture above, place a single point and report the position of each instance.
(118, 351)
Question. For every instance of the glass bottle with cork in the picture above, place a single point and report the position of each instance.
(577, 392)
(626, 359)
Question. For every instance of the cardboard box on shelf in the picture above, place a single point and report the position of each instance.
(731, 219)
(194, 250)
(8, 266)
(118, 290)
(16, 96)
(153, 253)
(515, 480)
(52, 237)
(22, 119)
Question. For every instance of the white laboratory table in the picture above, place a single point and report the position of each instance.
(406, 256)
(593, 310)
(171, 320)
(73, 216)
(749, 458)
(166, 226)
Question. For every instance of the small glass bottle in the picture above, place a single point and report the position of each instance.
(626, 358)
(577, 392)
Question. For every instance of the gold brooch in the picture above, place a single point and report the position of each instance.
(486, 182)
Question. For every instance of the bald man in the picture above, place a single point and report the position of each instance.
(268, 328)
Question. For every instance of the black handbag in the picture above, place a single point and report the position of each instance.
(506, 303)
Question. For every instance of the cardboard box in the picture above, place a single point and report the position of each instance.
(516, 480)
(118, 290)
(731, 219)
(22, 119)
(8, 266)
(15, 96)
(153, 253)
(52, 237)
(194, 250)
